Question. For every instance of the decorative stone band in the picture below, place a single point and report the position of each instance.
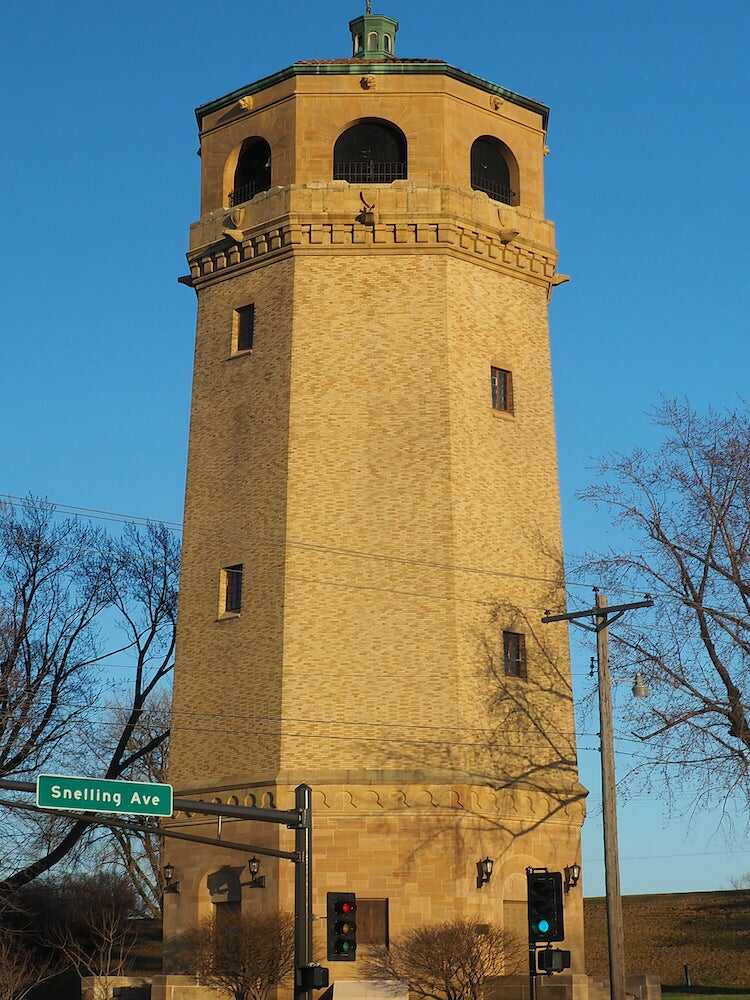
(239, 250)
(519, 804)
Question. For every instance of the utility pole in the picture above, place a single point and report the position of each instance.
(602, 617)
(615, 925)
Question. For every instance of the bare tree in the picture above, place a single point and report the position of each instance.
(137, 856)
(93, 930)
(448, 961)
(740, 881)
(61, 583)
(52, 594)
(22, 970)
(684, 509)
(245, 957)
(530, 740)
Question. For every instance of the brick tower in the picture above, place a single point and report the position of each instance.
(372, 524)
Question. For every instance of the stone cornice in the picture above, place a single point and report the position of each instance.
(236, 250)
(521, 803)
(348, 67)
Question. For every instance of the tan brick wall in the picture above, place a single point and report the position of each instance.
(301, 119)
(386, 516)
(235, 513)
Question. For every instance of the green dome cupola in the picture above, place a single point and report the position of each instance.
(373, 35)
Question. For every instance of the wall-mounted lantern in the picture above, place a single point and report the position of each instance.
(169, 884)
(484, 871)
(572, 876)
(256, 881)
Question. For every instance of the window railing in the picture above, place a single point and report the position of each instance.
(246, 192)
(498, 192)
(369, 172)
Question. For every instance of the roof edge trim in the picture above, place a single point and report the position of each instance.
(351, 68)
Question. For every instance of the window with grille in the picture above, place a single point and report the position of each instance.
(253, 172)
(372, 922)
(501, 382)
(244, 324)
(491, 162)
(232, 589)
(514, 654)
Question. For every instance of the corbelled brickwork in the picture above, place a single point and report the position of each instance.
(390, 522)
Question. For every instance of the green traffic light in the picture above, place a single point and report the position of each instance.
(542, 926)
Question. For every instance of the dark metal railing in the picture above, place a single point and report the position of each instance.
(246, 192)
(369, 172)
(498, 192)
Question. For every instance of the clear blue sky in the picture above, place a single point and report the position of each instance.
(647, 182)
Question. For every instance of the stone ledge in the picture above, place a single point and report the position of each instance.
(396, 799)
(301, 236)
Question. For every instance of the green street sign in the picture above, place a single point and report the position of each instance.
(136, 798)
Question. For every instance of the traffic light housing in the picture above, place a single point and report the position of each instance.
(551, 960)
(545, 906)
(313, 977)
(341, 911)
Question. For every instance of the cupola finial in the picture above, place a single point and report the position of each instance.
(368, 6)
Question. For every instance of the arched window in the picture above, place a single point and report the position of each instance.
(387, 43)
(357, 44)
(372, 40)
(370, 152)
(253, 172)
(493, 170)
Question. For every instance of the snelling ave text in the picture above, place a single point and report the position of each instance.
(99, 796)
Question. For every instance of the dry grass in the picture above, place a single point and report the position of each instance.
(708, 931)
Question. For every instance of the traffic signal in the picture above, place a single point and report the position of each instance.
(341, 910)
(545, 906)
(313, 977)
(553, 960)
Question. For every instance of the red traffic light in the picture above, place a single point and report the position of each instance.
(341, 916)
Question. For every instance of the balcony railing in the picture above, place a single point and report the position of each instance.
(246, 192)
(498, 192)
(369, 172)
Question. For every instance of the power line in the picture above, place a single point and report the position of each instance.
(281, 719)
(90, 512)
(668, 857)
(143, 520)
(486, 745)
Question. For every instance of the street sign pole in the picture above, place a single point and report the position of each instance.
(78, 798)
(303, 932)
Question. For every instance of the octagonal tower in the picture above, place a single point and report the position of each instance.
(372, 524)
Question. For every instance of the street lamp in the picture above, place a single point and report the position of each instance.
(640, 688)
(168, 873)
(484, 871)
(572, 876)
(256, 881)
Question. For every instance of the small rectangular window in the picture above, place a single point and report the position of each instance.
(244, 328)
(502, 389)
(232, 589)
(514, 654)
(372, 922)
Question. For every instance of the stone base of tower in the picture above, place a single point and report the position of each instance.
(411, 847)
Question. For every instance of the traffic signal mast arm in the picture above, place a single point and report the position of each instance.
(290, 818)
(124, 824)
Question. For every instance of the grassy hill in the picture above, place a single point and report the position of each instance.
(708, 931)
